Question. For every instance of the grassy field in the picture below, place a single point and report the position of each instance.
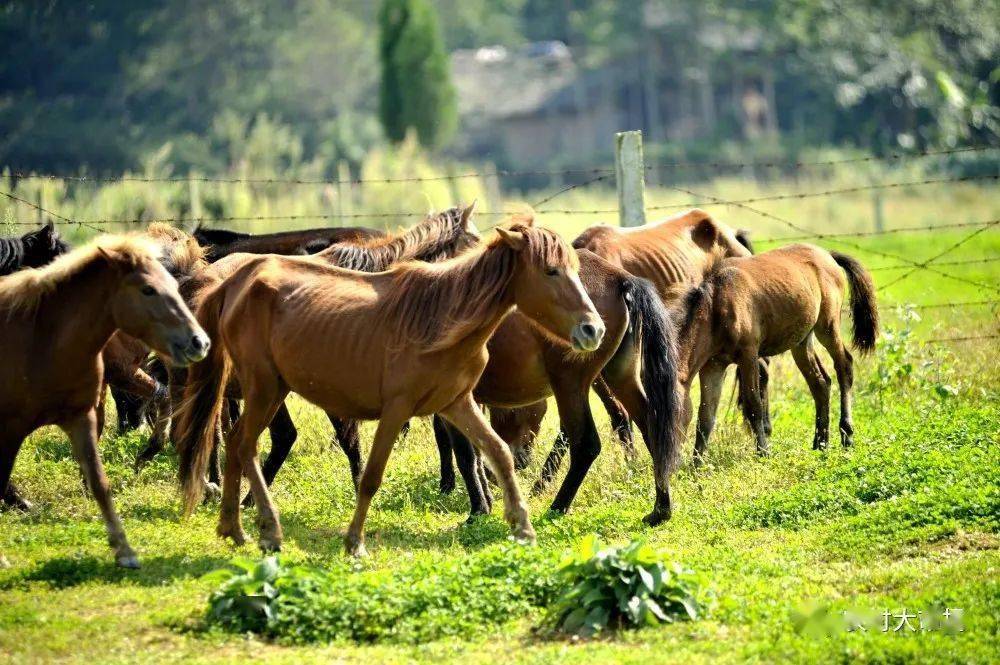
(908, 519)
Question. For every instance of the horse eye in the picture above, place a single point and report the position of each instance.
(552, 272)
(148, 291)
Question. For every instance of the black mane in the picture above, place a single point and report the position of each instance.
(31, 250)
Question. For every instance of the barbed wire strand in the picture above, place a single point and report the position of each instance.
(830, 162)
(926, 264)
(862, 248)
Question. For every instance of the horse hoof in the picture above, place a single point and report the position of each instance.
(355, 547)
(130, 561)
(238, 537)
(212, 493)
(269, 546)
(20, 503)
(525, 535)
(656, 518)
(447, 486)
(247, 501)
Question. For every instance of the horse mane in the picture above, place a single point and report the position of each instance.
(433, 239)
(24, 290)
(182, 255)
(432, 303)
(692, 302)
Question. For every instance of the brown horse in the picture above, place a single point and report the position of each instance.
(674, 255)
(527, 366)
(768, 304)
(637, 357)
(392, 345)
(54, 321)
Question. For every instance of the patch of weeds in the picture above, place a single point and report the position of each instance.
(623, 587)
(429, 600)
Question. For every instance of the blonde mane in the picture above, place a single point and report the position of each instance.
(182, 255)
(433, 302)
(24, 290)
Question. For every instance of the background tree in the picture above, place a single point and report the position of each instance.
(416, 90)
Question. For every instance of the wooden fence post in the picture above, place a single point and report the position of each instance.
(630, 173)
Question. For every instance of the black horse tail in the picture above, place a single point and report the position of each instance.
(657, 338)
(195, 420)
(743, 237)
(864, 308)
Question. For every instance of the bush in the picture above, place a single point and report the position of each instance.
(618, 587)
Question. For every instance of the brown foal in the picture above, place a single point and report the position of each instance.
(55, 321)
(392, 345)
(765, 305)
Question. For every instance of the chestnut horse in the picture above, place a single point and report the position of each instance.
(767, 304)
(526, 366)
(392, 345)
(54, 322)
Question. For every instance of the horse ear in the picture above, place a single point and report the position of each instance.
(49, 227)
(466, 218)
(705, 233)
(514, 239)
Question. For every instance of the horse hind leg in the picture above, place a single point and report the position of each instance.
(470, 466)
(711, 379)
(843, 364)
(10, 444)
(818, 380)
(349, 440)
(442, 438)
(753, 408)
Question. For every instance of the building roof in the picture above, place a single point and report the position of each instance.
(495, 82)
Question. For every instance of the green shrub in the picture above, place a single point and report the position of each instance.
(618, 587)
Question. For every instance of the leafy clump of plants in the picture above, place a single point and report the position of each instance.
(433, 598)
(427, 600)
(622, 587)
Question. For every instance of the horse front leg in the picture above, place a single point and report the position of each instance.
(442, 437)
(465, 414)
(711, 380)
(82, 432)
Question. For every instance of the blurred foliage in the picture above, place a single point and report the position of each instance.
(416, 91)
(99, 86)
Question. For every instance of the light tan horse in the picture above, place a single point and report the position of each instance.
(392, 345)
(765, 305)
(54, 322)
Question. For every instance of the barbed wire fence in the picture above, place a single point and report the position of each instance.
(591, 176)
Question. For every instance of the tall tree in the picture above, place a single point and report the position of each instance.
(416, 90)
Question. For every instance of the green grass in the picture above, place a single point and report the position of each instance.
(909, 518)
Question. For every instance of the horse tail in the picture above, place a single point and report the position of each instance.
(657, 338)
(195, 420)
(864, 309)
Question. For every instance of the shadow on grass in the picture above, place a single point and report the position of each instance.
(65, 572)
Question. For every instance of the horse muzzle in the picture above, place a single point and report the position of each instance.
(190, 350)
(587, 336)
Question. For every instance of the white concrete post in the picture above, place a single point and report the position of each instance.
(630, 174)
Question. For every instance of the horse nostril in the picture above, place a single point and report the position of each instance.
(589, 330)
(199, 343)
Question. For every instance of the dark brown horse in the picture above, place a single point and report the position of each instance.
(34, 249)
(392, 345)
(219, 243)
(54, 322)
(767, 304)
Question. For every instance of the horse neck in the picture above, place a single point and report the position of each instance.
(479, 292)
(77, 312)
